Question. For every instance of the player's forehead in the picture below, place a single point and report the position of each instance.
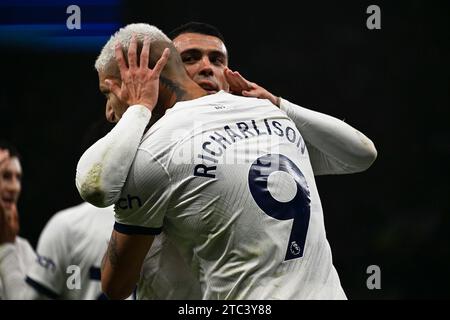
(201, 42)
(12, 166)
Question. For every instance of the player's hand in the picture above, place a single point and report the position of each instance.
(241, 86)
(140, 84)
(4, 154)
(9, 224)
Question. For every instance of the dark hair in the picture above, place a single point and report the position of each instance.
(13, 153)
(196, 27)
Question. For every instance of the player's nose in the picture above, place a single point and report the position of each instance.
(206, 67)
(14, 187)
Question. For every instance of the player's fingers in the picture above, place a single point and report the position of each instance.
(246, 93)
(244, 83)
(145, 53)
(239, 81)
(229, 74)
(120, 59)
(4, 154)
(232, 80)
(161, 62)
(132, 55)
(15, 225)
(4, 216)
(252, 85)
(228, 70)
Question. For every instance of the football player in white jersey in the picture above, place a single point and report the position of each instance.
(69, 256)
(70, 250)
(13, 249)
(70, 247)
(229, 179)
(205, 57)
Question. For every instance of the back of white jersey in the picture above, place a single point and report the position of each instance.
(229, 180)
(70, 250)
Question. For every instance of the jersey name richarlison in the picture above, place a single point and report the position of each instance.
(229, 180)
(215, 145)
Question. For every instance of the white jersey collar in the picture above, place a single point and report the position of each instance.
(202, 100)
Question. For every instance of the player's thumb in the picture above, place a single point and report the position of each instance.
(249, 93)
(15, 224)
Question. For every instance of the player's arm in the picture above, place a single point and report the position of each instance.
(334, 146)
(103, 168)
(122, 263)
(136, 227)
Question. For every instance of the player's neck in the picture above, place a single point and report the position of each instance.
(172, 92)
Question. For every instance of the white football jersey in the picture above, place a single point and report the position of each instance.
(229, 179)
(72, 246)
(25, 257)
(70, 251)
(165, 275)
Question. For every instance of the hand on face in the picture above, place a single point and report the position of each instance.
(9, 218)
(241, 86)
(140, 84)
(4, 154)
(9, 224)
(10, 187)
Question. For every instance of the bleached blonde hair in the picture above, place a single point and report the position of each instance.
(107, 58)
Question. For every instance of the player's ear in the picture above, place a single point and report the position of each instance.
(109, 113)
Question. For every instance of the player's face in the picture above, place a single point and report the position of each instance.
(204, 58)
(10, 182)
(114, 109)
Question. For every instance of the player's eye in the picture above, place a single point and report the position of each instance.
(7, 175)
(188, 59)
(217, 59)
(191, 56)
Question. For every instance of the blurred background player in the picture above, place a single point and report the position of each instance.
(73, 237)
(71, 247)
(14, 250)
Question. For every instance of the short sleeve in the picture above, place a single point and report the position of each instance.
(145, 197)
(48, 273)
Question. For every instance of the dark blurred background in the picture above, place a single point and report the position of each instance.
(392, 84)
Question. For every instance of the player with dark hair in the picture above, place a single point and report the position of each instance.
(196, 27)
(334, 147)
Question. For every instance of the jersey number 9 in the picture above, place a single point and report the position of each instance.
(298, 208)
